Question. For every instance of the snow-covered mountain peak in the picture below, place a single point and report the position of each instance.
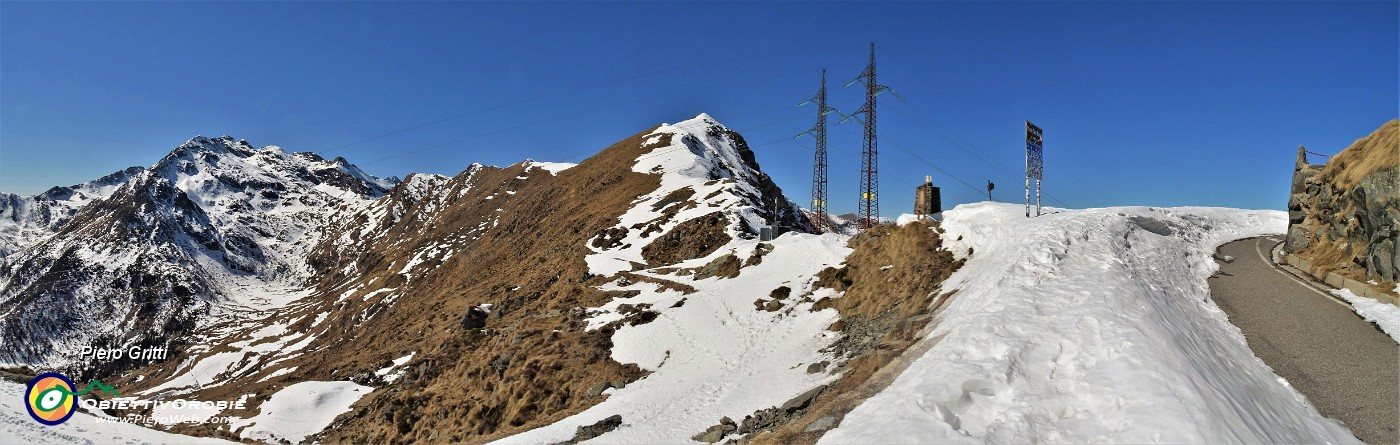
(94, 189)
(710, 187)
(204, 166)
(221, 144)
(699, 147)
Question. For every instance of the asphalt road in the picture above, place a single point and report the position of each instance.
(1346, 366)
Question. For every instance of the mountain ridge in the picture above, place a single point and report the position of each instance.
(172, 243)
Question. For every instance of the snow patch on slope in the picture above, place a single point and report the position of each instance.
(552, 167)
(715, 355)
(1089, 326)
(300, 410)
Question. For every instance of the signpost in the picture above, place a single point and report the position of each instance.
(1034, 165)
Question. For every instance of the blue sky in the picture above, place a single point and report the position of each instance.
(1143, 103)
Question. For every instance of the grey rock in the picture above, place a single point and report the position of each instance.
(804, 399)
(1380, 263)
(1296, 216)
(475, 318)
(817, 367)
(773, 305)
(709, 436)
(1298, 239)
(597, 389)
(821, 424)
(597, 429)
(716, 432)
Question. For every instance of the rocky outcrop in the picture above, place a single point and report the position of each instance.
(761, 420)
(597, 429)
(1343, 215)
(1301, 199)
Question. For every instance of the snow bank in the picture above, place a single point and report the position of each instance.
(300, 410)
(17, 427)
(907, 218)
(1384, 315)
(1089, 326)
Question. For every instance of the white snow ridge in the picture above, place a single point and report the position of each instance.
(1089, 326)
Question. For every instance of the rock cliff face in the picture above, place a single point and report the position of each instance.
(1343, 215)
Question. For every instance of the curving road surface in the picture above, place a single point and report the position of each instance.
(1346, 366)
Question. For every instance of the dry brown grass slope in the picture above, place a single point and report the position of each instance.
(532, 363)
(893, 283)
(1377, 151)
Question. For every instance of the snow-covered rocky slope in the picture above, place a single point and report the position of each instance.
(710, 352)
(705, 169)
(1089, 326)
(25, 220)
(214, 228)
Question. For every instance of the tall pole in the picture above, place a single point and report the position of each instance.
(819, 165)
(1028, 196)
(869, 204)
(869, 148)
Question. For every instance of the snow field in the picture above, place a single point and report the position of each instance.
(300, 410)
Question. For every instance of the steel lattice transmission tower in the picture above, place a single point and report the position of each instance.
(869, 204)
(818, 131)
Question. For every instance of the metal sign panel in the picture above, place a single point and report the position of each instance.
(1034, 165)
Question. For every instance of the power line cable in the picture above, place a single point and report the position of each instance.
(856, 158)
(968, 146)
(551, 119)
(693, 67)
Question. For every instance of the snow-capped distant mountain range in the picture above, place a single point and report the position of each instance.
(124, 259)
(25, 220)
